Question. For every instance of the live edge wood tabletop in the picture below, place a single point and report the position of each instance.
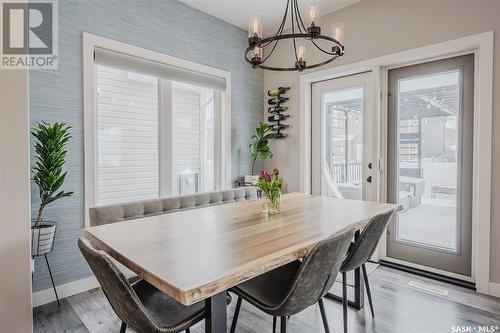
(195, 254)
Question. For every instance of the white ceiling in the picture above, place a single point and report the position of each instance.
(239, 12)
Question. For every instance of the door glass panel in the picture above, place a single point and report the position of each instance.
(342, 143)
(428, 109)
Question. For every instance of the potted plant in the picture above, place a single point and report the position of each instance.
(259, 148)
(271, 185)
(48, 175)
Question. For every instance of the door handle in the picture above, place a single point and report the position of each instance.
(369, 179)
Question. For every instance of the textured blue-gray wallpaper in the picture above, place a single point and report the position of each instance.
(166, 26)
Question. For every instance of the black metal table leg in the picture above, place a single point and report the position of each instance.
(359, 290)
(216, 313)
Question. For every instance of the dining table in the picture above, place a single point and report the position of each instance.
(198, 255)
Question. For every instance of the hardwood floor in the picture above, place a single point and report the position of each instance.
(398, 308)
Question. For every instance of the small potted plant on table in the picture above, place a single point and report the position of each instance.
(48, 175)
(271, 185)
(259, 148)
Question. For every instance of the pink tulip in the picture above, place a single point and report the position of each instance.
(267, 177)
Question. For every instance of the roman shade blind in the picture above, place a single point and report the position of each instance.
(153, 68)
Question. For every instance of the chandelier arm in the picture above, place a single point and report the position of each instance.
(300, 35)
(323, 63)
(300, 20)
(272, 50)
(280, 29)
(296, 18)
(295, 50)
(289, 69)
(319, 48)
(293, 33)
(283, 22)
(248, 60)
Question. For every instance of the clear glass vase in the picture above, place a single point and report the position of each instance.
(272, 203)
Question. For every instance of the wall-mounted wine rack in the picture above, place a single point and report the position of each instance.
(277, 110)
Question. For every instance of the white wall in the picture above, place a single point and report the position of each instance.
(378, 27)
(15, 261)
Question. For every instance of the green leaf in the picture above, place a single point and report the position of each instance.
(263, 144)
(265, 155)
(259, 142)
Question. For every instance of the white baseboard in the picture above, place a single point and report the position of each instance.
(65, 290)
(495, 289)
(72, 288)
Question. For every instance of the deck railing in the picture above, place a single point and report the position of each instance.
(343, 172)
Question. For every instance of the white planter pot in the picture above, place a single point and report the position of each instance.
(42, 238)
(251, 179)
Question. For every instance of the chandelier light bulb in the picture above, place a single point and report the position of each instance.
(300, 64)
(301, 52)
(256, 54)
(338, 32)
(255, 28)
(314, 15)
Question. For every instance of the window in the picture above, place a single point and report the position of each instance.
(193, 138)
(157, 129)
(127, 136)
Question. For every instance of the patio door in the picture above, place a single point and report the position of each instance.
(430, 140)
(343, 138)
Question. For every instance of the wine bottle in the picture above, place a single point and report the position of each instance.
(278, 127)
(277, 91)
(277, 100)
(280, 135)
(277, 109)
(278, 117)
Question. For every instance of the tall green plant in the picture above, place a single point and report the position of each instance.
(259, 143)
(50, 150)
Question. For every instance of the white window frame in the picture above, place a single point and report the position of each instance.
(482, 47)
(223, 146)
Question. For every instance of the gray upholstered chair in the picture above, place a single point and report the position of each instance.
(139, 305)
(358, 254)
(294, 287)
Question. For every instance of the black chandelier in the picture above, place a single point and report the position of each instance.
(254, 54)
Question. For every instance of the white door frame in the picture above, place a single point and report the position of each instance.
(482, 47)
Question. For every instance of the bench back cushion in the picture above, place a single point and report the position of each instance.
(133, 210)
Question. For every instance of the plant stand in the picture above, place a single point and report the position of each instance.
(52, 280)
(42, 244)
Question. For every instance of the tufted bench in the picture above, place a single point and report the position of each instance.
(133, 210)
